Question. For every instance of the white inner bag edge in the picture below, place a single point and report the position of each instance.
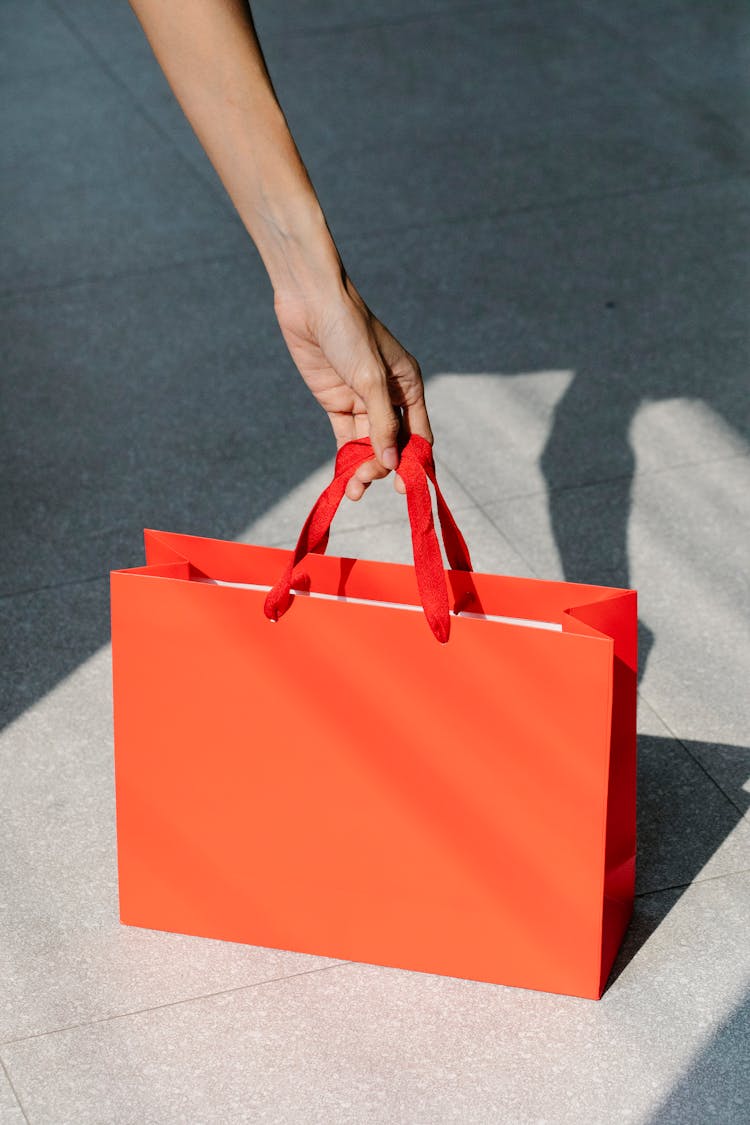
(525, 621)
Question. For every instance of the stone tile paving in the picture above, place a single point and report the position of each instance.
(548, 204)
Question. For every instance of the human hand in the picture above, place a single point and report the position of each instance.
(367, 383)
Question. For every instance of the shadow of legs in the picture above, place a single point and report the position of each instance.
(589, 441)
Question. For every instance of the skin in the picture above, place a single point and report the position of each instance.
(367, 383)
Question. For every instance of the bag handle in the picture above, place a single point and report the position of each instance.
(416, 467)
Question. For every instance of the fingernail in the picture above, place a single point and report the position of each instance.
(390, 457)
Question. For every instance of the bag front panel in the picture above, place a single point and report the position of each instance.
(340, 784)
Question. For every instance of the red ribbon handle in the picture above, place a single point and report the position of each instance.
(415, 468)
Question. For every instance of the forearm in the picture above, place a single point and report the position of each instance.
(362, 377)
(210, 56)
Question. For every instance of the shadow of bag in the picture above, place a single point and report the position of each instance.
(338, 783)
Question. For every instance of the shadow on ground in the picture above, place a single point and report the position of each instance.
(167, 399)
(681, 826)
(708, 1091)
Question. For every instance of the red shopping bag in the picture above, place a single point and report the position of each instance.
(338, 783)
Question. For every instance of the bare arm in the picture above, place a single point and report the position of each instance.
(364, 379)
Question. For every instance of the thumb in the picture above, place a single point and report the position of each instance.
(383, 421)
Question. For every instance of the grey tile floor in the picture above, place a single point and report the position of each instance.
(548, 204)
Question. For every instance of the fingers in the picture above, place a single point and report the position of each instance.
(363, 478)
(355, 489)
(344, 427)
(416, 420)
(347, 427)
(385, 384)
(410, 417)
(383, 420)
(381, 423)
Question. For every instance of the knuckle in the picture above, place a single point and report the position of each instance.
(414, 365)
(369, 379)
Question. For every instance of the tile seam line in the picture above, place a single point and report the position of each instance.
(467, 219)
(8, 295)
(559, 205)
(104, 576)
(454, 10)
(52, 71)
(213, 189)
(482, 506)
(665, 84)
(14, 1091)
(460, 508)
(55, 586)
(693, 883)
(515, 549)
(609, 29)
(684, 744)
(595, 482)
(171, 1004)
(512, 496)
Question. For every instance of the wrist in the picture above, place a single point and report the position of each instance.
(297, 248)
(285, 220)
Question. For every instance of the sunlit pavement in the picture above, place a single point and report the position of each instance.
(548, 205)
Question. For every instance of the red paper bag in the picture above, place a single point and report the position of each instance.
(340, 784)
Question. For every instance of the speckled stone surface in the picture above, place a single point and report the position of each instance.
(164, 400)
(674, 36)
(141, 208)
(12, 1115)
(438, 112)
(547, 204)
(35, 40)
(358, 1043)
(689, 829)
(10, 1111)
(64, 956)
